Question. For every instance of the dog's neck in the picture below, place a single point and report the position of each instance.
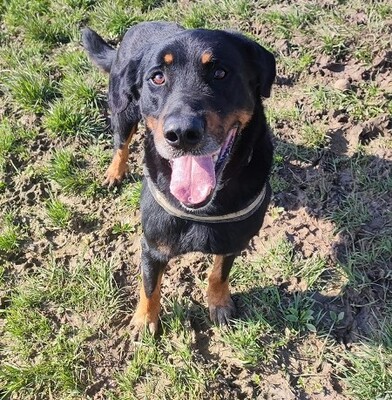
(191, 215)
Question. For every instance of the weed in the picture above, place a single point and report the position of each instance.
(66, 119)
(131, 195)
(58, 212)
(278, 184)
(299, 315)
(31, 87)
(10, 234)
(368, 372)
(122, 227)
(66, 172)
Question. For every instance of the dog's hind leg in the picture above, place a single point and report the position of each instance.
(146, 315)
(220, 304)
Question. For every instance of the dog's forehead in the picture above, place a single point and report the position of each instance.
(197, 46)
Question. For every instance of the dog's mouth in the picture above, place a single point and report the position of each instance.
(194, 178)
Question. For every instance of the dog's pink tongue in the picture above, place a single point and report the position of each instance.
(193, 178)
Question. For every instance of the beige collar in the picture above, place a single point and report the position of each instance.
(211, 219)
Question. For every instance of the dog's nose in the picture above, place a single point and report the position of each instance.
(183, 132)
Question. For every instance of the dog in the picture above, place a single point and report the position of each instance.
(208, 151)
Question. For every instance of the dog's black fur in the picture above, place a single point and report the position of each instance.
(172, 79)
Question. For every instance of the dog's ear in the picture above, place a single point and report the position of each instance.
(266, 67)
(98, 50)
(262, 63)
(125, 63)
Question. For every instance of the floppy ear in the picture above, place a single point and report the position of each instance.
(265, 67)
(125, 74)
(262, 63)
(98, 50)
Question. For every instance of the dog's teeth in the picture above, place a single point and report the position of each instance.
(215, 158)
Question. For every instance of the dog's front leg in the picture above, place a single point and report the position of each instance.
(220, 304)
(146, 315)
(118, 168)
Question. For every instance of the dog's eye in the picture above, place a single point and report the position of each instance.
(219, 73)
(158, 78)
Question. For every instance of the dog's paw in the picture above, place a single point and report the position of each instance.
(141, 323)
(115, 174)
(223, 314)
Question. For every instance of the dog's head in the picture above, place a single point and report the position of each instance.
(196, 91)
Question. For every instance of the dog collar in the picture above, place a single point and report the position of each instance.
(240, 215)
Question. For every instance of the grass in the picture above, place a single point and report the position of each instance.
(7, 141)
(318, 274)
(68, 173)
(167, 368)
(10, 234)
(131, 195)
(40, 356)
(64, 119)
(362, 104)
(59, 213)
(31, 87)
(247, 344)
(368, 372)
(351, 213)
(123, 227)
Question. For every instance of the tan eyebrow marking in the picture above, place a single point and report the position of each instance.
(206, 57)
(168, 58)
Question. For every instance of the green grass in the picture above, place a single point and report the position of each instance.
(281, 257)
(65, 118)
(59, 213)
(10, 234)
(351, 213)
(68, 173)
(7, 141)
(252, 342)
(364, 103)
(168, 367)
(368, 372)
(131, 195)
(123, 227)
(41, 357)
(31, 89)
(82, 88)
(313, 135)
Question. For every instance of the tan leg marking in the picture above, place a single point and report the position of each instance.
(118, 167)
(147, 311)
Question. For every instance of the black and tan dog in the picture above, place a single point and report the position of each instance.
(207, 148)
